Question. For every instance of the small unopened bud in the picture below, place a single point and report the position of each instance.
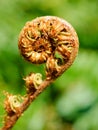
(12, 103)
(33, 81)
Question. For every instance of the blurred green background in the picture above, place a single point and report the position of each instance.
(71, 102)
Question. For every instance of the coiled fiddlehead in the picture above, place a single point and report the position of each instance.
(49, 39)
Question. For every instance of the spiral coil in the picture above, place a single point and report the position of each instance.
(44, 37)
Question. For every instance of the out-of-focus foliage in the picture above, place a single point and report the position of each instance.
(71, 102)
